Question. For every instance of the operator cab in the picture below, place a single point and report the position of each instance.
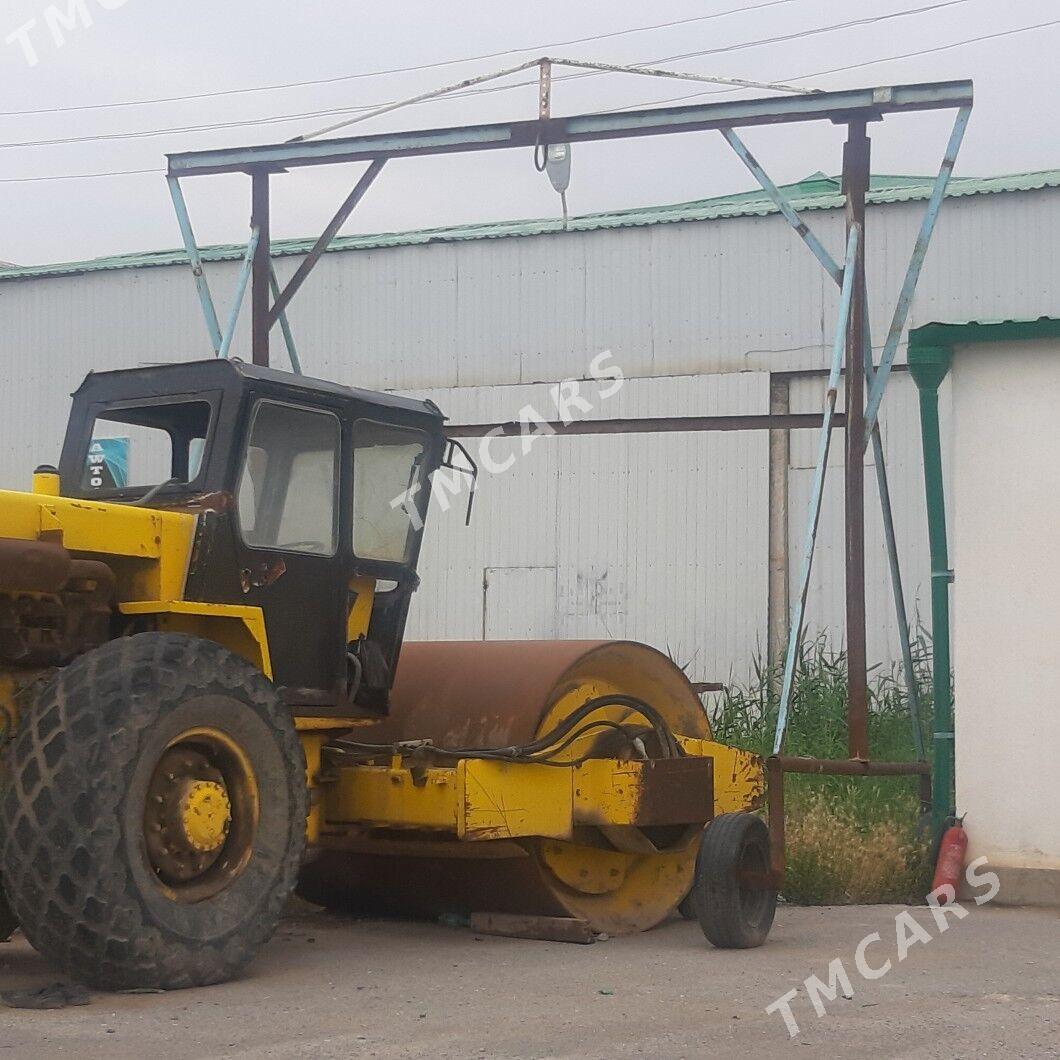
(311, 499)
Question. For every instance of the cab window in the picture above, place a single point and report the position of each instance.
(138, 446)
(286, 496)
(389, 490)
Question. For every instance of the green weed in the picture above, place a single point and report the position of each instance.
(849, 839)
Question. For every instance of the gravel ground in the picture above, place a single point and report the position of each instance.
(331, 987)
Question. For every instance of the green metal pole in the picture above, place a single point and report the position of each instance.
(929, 365)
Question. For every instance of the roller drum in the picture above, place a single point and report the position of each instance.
(504, 693)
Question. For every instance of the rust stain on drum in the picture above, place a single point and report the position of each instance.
(478, 693)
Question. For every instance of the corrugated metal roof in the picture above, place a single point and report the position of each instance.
(953, 333)
(816, 192)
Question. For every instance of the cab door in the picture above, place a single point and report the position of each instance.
(290, 545)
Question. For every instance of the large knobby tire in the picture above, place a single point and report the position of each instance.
(85, 781)
(734, 912)
(8, 923)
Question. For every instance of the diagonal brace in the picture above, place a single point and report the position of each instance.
(832, 268)
(197, 268)
(916, 263)
(241, 290)
(782, 204)
(285, 326)
(817, 493)
(322, 244)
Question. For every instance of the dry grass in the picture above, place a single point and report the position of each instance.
(850, 839)
(835, 857)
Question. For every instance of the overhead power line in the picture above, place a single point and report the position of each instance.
(844, 69)
(282, 118)
(81, 176)
(397, 69)
(451, 92)
(632, 106)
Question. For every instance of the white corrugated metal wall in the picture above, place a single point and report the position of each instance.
(659, 537)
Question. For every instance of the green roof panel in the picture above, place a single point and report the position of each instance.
(815, 192)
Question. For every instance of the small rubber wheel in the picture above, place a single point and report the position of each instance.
(152, 814)
(734, 911)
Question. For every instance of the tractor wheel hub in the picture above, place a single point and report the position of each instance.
(205, 815)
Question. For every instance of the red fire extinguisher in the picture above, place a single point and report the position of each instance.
(949, 865)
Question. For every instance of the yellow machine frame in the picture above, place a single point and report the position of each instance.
(474, 799)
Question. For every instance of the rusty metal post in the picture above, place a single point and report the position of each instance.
(261, 280)
(855, 186)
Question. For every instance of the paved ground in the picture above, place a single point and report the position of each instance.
(328, 987)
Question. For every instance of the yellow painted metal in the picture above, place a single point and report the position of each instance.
(328, 725)
(599, 872)
(739, 776)
(46, 483)
(481, 799)
(239, 628)
(646, 886)
(394, 798)
(361, 610)
(313, 741)
(205, 814)
(568, 820)
(504, 800)
(475, 799)
(148, 550)
(608, 790)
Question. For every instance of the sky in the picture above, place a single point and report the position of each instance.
(107, 57)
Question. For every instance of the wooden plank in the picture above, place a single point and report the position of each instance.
(542, 928)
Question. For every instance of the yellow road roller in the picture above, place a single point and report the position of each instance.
(206, 702)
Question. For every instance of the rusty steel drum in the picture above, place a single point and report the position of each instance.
(497, 694)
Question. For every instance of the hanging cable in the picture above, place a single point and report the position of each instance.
(541, 751)
(634, 106)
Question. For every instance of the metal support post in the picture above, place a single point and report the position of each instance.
(855, 187)
(260, 292)
(833, 269)
(928, 370)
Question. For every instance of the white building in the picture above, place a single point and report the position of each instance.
(1003, 497)
(710, 307)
